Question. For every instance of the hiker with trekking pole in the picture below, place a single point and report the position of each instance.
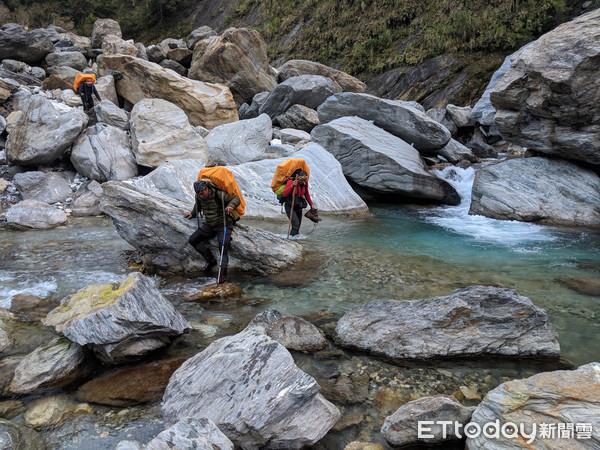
(296, 198)
(220, 215)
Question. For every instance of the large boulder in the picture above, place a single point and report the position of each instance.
(119, 321)
(474, 321)
(106, 88)
(299, 117)
(44, 132)
(173, 178)
(103, 28)
(114, 45)
(240, 142)
(307, 90)
(160, 131)
(250, 387)
(109, 113)
(238, 59)
(381, 162)
(550, 191)
(48, 187)
(396, 117)
(76, 60)
(27, 46)
(31, 214)
(153, 223)
(205, 104)
(103, 152)
(549, 99)
(557, 410)
(297, 67)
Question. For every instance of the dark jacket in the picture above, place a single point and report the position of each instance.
(86, 90)
(212, 207)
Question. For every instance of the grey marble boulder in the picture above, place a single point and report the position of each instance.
(119, 321)
(47, 187)
(13, 435)
(394, 116)
(241, 141)
(455, 152)
(570, 398)
(103, 152)
(401, 428)
(86, 201)
(294, 333)
(549, 191)
(549, 99)
(191, 433)
(31, 214)
(297, 67)
(250, 387)
(76, 60)
(173, 178)
(293, 136)
(441, 115)
(381, 162)
(108, 92)
(299, 117)
(44, 132)
(52, 365)
(474, 321)
(306, 90)
(461, 115)
(26, 46)
(110, 114)
(103, 28)
(153, 223)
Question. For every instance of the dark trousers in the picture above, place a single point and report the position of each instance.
(204, 233)
(296, 218)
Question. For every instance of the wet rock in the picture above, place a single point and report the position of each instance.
(240, 142)
(215, 293)
(16, 436)
(478, 320)
(53, 365)
(205, 104)
(50, 412)
(32, 305)
(297, 67)
(130, 386)
(252, 390)
(44, 132)
(8, 364)
(582, 285)
(236, 58)
(567, 397)
(120, 321)
(162, 237)
(379, 161)
(549, 191)
(86, 201)
(160, 132)
(396, 117)
(191, 433)
(401, 427)
(30, 214)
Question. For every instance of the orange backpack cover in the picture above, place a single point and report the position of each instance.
(224, 180)
(81, 77)
(286, 169)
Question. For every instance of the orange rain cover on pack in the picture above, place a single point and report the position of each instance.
(81, 77)
(224, 180)
(286, 169)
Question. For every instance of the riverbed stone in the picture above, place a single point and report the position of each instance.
(253, 391)
(294, 333)
(401, 428)
(50, 412)
(119, 321)
(17, 436)
(53, 365)
(542, 190)
(455, 152)
(191, 433)
(381, 162)
(205, 104)
(103, 152)
(567, 398)
(86, 201)
(47, 187)
(394, 116)
(161, 131)
(44, 132)
(474, 321)
(31, 214)
(549, 99)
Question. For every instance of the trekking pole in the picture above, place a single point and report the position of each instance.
(224, 234)
(291, 211)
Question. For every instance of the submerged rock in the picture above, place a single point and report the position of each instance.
(249, 386)
(119, 321)
(191, 433)
(478, 320)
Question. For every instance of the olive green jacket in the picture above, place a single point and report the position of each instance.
(212, 207)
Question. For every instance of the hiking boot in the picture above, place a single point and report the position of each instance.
(223, 278)
(209, 265)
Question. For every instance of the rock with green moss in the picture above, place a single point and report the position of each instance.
(120, 321)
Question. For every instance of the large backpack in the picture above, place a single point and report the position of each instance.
(81, 77)
(283, 172)
(223, 179)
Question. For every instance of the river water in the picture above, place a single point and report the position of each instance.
(396, 252)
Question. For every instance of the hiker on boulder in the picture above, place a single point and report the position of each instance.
(219, 218)
(296, 198)
(86, 90)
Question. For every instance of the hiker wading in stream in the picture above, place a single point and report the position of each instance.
(211, 201)
(296, 199)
